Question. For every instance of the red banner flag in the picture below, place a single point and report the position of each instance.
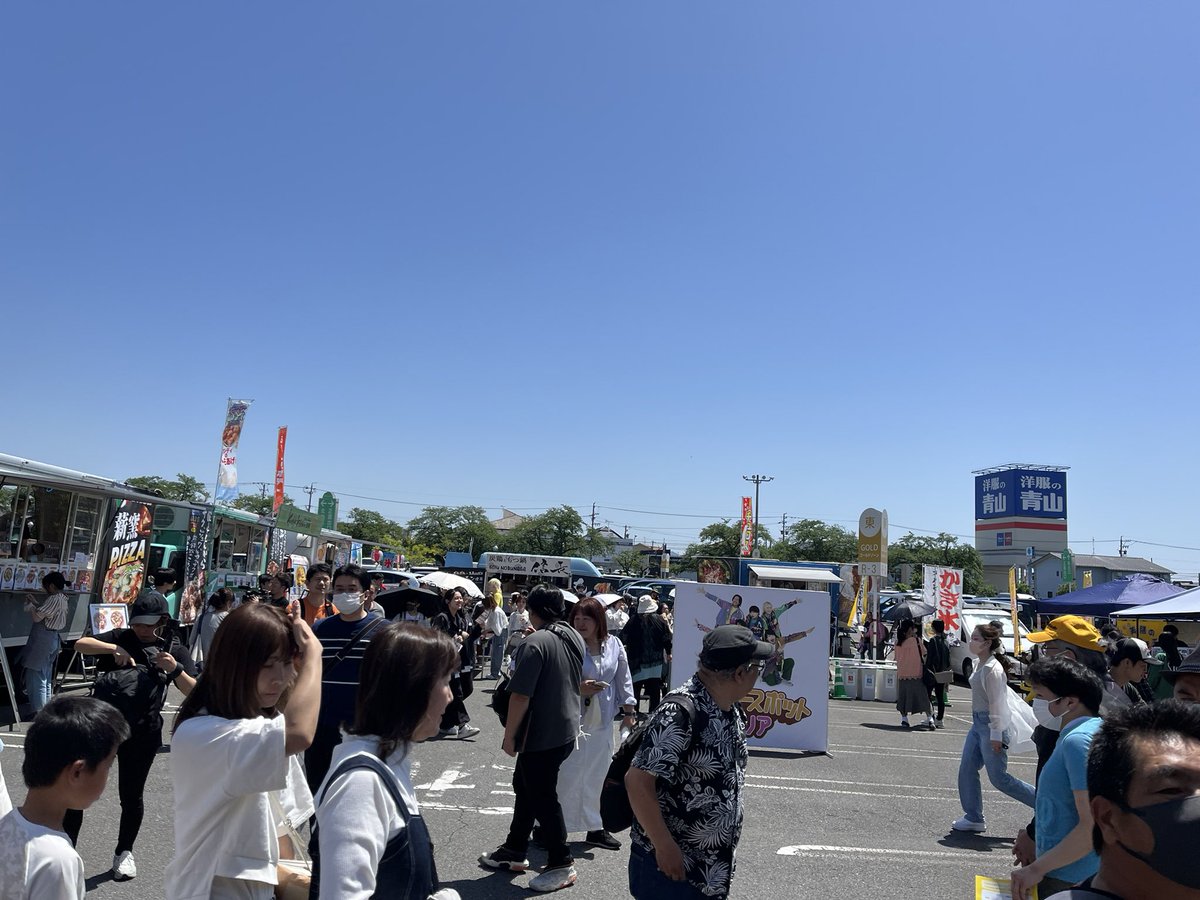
(279, 470)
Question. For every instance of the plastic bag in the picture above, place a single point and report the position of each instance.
(1021, 722)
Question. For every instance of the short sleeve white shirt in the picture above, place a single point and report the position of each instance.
(224, 771)
(37, 863)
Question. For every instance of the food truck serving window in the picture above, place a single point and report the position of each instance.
(48, 525)
(238, 547)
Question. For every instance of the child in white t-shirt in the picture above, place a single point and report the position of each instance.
(69, 750)
(230, 750)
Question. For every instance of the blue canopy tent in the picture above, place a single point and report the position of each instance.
(1106, 599)
(1184, 605)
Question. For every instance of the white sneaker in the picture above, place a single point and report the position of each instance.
(965, 824)
(553, 880)
(466, 731)
(124, 868)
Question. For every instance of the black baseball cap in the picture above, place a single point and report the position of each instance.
(148, 609)
(1189, 666)
(730, 646)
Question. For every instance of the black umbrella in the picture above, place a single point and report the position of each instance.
(394, 602)
(907, 608)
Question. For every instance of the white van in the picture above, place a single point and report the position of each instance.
(979, 612)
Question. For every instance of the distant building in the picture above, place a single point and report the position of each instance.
(1047, 570)
(508, 520)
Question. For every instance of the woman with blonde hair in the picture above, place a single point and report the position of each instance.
(495, 624)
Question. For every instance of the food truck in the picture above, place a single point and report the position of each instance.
(519, 571)
(96, 531)
(238, 550)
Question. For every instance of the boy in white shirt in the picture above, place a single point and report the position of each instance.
(69, 750)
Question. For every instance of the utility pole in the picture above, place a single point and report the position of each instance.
(1124, 546)
(593, 515)
(310, 490)
(783, 527)
(757, 479)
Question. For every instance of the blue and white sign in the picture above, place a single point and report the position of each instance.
(1021, 492)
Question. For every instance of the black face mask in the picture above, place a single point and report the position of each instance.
(1176, 829)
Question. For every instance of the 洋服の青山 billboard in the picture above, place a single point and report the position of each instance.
(788, 707)
(1040, 493)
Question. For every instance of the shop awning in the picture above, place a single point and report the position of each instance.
(790, 573)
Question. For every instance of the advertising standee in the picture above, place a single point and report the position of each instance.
(788, 707)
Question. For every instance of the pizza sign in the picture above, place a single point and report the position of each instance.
(129, 538)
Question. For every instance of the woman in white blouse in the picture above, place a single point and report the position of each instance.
(607, 686)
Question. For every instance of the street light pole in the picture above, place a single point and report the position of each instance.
(757, 479)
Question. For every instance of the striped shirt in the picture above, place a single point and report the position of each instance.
(339, 680)
(52, 612)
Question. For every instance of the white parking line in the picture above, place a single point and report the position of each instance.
(826, 850)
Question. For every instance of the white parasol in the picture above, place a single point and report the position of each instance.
(449, 581)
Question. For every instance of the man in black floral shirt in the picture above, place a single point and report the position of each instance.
(685, 783)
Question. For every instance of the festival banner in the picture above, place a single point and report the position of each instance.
(943, 590)
(279, 470)
(129, 539)
(235, 417)
(789, 705)
(1012, 600)
(747, 526)
(195, 564)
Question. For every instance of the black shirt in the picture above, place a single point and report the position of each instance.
(143, 655)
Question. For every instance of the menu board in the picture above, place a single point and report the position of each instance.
(129, 538)
(107, 616)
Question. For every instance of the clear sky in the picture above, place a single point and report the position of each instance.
(532, 253)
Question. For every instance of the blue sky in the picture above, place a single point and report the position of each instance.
(533, 253)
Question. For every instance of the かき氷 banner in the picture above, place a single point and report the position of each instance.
(788, 708)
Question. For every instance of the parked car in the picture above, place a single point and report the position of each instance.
(980, 612)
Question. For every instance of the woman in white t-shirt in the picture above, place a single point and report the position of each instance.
(376, 844)
(230, 750)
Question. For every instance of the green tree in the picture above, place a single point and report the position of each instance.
(943, 550)
(184, 487)
(558, 531)
(258, 504)
(368, 525)
(420, 555)
(812, 539)
(629, 561)
(722, 538)
(455, 528)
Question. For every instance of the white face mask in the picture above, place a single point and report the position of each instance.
(1041, 712)
(348, 604)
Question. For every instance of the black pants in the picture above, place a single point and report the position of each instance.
(462, 686)
(939, 694)
(319, 755)
(535, 782)
(134, 759)
(651, 689)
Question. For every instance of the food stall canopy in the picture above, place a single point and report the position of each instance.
(1104, 599)
(795, 573)
(1184, 605)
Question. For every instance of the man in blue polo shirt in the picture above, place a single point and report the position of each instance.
(1065, 855)
(344, 638)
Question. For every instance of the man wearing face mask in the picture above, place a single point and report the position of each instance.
(1143, 780)
(344, 639)
(145, 645)
(1064, 816)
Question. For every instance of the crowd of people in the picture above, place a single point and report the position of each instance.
(298, 720)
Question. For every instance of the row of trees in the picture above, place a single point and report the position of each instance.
(812, 539)
(561, 531)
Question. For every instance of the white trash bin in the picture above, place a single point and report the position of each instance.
(868, 680)
(888, 689)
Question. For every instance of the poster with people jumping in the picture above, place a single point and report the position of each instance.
(789, 705)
